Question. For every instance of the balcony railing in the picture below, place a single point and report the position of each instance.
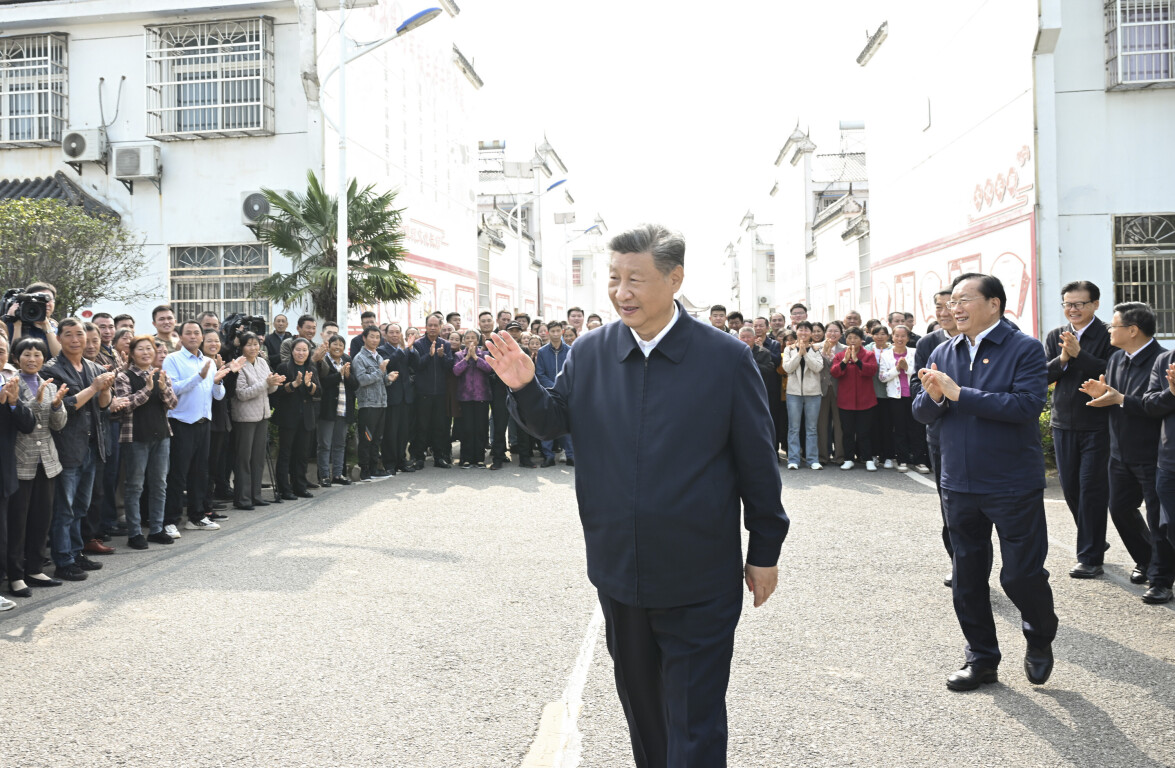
(1140, 44)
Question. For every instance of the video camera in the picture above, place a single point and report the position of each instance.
(34, 307)
(236, 324)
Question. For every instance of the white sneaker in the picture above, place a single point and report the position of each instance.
(793, 466)
(849, 465)
(171, 531)
(922, 469)
(903, 468)
(871, 466)
(202, 525)
(6, 604)
(815, 465)
(889, 464)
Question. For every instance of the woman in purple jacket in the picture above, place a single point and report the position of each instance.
(473, 392)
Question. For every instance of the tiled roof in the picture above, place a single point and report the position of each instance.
(846, 167)
(56, 187)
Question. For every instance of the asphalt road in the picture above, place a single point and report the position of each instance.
(432, 619)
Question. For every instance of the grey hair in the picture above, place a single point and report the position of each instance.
(666, 246)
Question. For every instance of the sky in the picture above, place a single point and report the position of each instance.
(665, 113)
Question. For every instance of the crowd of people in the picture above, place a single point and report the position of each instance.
(185, 420)
(182, 421)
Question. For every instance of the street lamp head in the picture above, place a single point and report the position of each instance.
(557, 183)
(416, 20)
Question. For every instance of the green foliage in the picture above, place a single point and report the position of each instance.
(304, 227)
(88, 259)
(1046, 431)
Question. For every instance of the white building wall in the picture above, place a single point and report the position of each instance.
(199, 202)
(1111, 154)
(951, 168)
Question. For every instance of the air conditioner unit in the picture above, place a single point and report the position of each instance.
(84, 146)
(764, 300)
(139, 161)
(255, 206)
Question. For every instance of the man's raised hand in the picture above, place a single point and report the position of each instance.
(513, 366)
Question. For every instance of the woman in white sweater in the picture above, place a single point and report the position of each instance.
(803, 363)
(896, 370)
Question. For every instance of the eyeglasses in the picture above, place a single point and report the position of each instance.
(1120, 326)
(954, 303)
(1078, 305)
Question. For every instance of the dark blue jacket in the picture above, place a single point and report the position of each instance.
(13, 419)
(432, 371)
(990, 437)
(404, 361)
(1134, 434)
(1069, 409)
(1160, 404)
(666, 448)
(548, 362)
(926, 345)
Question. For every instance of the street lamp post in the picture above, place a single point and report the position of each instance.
(342, 238)
(517, 209)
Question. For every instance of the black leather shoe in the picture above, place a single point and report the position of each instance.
(971, 677)
(1156, 595)
(1138, 576)
(245, 507)
(1083, 571)
(443, 464)
(304, 494)
(260, 503)
(407, 468)
(340, 480)
(570, 462)
(287, 496)
(46, 582)
(22, 592)
(160, 538)
(71, 572)
(86, 564)
(137, 542)
(312, 486)
(419, 464)
(526, 462)
(548, 462)
(1038, 664)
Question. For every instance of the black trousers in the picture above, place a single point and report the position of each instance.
(1082, 459)
(220, 461)
(501, 414)
(30, 510)
(1020, 524)
(857, 427)
(395, 437)
(370, 428)
(779, 419)
(526, 443)
(909, 436)
(1130, 486)
(295, 446)
(882, 433)
(432, 428)
(936, 465)
(188, 470)
(672, 669)
(476, 416)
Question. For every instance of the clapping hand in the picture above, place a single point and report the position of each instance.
(903, 365)
(320, 352)
(513, 366)
(307, 378)
(1101, 392)
(10, 392)
(118, 403)
(206, 368)
(383, 365)
(345, 371)
(432, 351)
(1070, 346)
(937, 384)
(62, 391)
(104, 381)
(275, 379)
(393, 376)
(1171, 378)
(41, 390)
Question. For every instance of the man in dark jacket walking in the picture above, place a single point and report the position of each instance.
(1078, 351)
(672, 430)
(987, 386)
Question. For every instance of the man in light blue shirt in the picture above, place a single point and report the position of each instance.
(196, 380)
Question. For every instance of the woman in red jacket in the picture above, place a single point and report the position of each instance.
(855, 367)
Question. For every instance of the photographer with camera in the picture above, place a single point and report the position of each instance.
(28, 313)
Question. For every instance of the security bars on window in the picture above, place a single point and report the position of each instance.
(1140, 44)
(1144, 265)
(34, 90)
(217, 278)
(213, 79)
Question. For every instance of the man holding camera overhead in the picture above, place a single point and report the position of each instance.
(42, 295)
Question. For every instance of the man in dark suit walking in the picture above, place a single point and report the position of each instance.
(1077, 351)
(671, 430)
(987, 386)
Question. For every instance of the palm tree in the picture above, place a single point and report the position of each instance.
(304, 229)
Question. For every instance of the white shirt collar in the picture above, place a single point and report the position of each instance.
(1081, 333)
(647, 347)
(973, 349)
(1130, 355)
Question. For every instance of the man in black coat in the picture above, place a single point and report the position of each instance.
(1078, 351)
(1134, 447)
(395, 438)
(671, 431)
(273, 342)
(15, 416)
(433, 426)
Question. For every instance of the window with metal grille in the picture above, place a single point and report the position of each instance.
(1144, 265)
(34, 90)
(217, 278)
(771, 266)
(577, 270)
(211, 79)
(1140, 43)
